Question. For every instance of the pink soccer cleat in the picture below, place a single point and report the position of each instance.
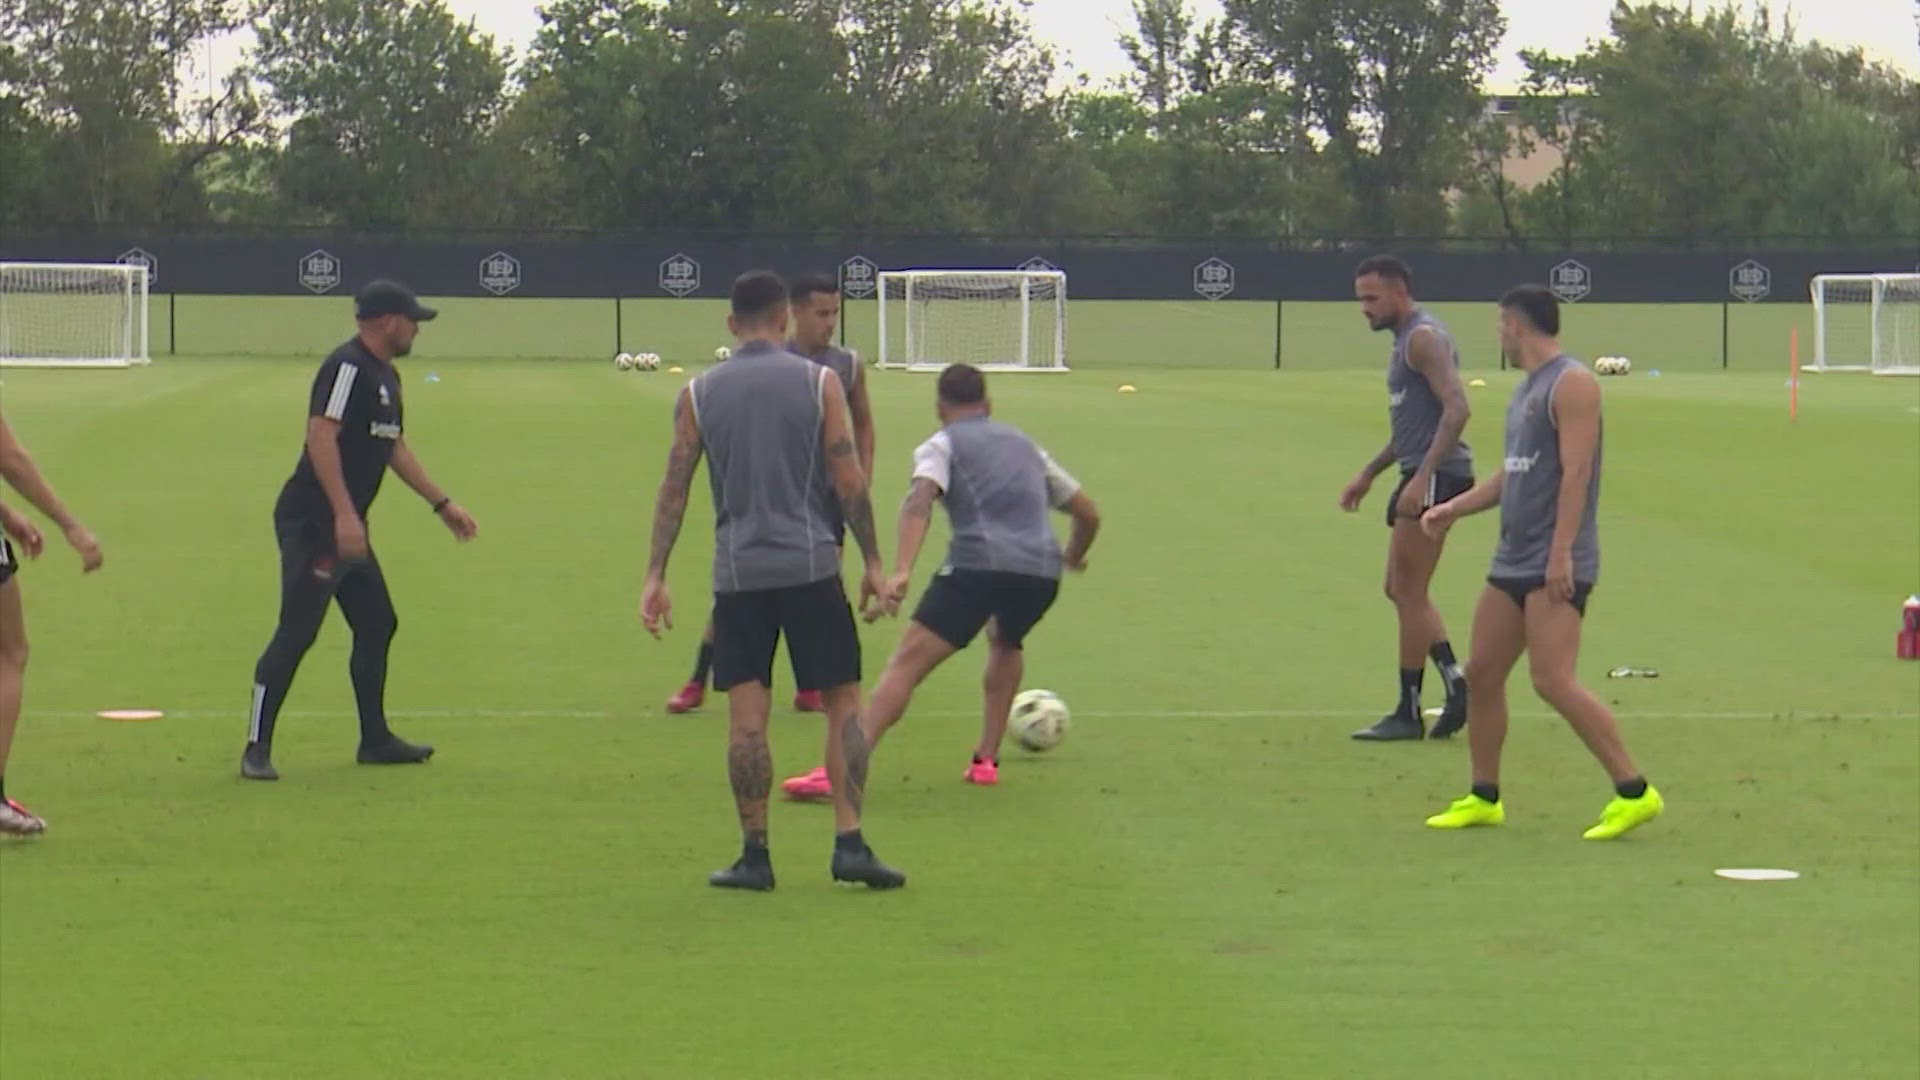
(809, 701)
(809, 785)
(17, 820)
(985, 772)
(688, 699)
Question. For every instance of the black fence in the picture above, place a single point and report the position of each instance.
(252, 265)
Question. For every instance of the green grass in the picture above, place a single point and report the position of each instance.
(1206, 880)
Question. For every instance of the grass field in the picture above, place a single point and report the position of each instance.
(1207, 880)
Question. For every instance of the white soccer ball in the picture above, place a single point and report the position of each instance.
(721, 353)
(1622, 366)
(647, 361)
(623, 361)
(1039, 720)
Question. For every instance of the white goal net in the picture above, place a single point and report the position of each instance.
(72, 314)
(1867, 322)
(996, 320)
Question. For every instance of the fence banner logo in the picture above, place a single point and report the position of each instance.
(141, 257)
(1571, 281)
(1213, 279)
(499, 273)
(1750, 281)
(858, 277)
(319, 271)
(679, 275)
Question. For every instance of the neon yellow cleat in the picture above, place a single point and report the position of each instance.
(1625, 815)
(1469, 811)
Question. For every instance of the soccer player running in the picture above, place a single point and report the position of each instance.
(775, 428)
(814, 301)
(1002, 570)
(1545, 566)
(354, 435)
(1427, 409)
(17, 466)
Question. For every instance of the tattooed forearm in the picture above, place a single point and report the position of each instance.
(670, 508)
(840, 448)
(853, 744)
(750, 769)
(859, 514)
(919, 501)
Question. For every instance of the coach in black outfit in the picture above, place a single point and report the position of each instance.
(354, 435)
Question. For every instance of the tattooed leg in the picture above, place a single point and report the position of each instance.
(749, 758)
(847, 755)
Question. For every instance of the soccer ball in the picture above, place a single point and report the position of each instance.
(647, 361)
(623, 361)
(1612, 365)
(1039, 720)
(721, 353)
(1622, 366)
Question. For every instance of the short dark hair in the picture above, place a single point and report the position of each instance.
(757, 294)
(1387, 267)
(962, 384)
(806, 285)
(1538, 304)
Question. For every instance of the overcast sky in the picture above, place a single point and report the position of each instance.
(1084, 30)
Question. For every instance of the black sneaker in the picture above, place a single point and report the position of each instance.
(257, 763)
(393, 751)
(1393, 727)
(1452, 718)
(757, 876)
(863, 867)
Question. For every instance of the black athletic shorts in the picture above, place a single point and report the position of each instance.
(1520, 587)
(9, 562)
(959, 603)
(822, 641)
(1440, 488)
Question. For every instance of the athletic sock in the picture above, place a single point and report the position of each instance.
(704, 663)
(1410, 680)
(1489, 792)
(754, 851)
(1449, 668)
(1631, 789)
(849, 841)
(3, 789)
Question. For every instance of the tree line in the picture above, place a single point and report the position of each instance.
(1279, 118)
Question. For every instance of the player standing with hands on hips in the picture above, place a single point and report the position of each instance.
(355, 433)
(17, 466)
(776, 430)
(1427, 408)
(1543, 570)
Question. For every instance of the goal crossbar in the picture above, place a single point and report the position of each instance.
(65, 314)
(1866, 322)
(996, 320)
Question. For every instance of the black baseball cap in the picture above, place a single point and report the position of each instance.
(386, 297)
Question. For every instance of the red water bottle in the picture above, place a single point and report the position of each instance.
(1909, 645)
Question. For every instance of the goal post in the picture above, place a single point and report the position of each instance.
(996, 320)
(72, 314)
(1866, 322)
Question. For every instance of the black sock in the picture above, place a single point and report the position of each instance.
(1410, 680)
(704, 663)
(849, 841)
(3, 789)
(1631, 789)
(1489, 792)
(1449, 668)
(754, 848)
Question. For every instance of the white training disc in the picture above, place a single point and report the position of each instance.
(1757, 874)
(130, 714)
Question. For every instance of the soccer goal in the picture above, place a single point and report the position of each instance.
(996, 320)
(72, 314)
(1867, 322)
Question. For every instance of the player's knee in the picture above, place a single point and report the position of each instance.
(13, 654)
(1482, 676)
(1554, 686)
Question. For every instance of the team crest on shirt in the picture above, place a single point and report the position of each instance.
(386, 398)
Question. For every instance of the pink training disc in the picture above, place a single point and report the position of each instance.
(130, 714)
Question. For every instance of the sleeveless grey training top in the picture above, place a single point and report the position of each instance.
(1530, 492)
(1412, 406)
(760, 415)
(998, 488)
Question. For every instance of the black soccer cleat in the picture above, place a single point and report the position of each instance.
(1452, 718)
(744, 874)
(863, 867)
(1392, 728)
(394, 750)
(257, 763)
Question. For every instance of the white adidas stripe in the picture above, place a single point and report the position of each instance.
(342, 390)
(253, 714)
